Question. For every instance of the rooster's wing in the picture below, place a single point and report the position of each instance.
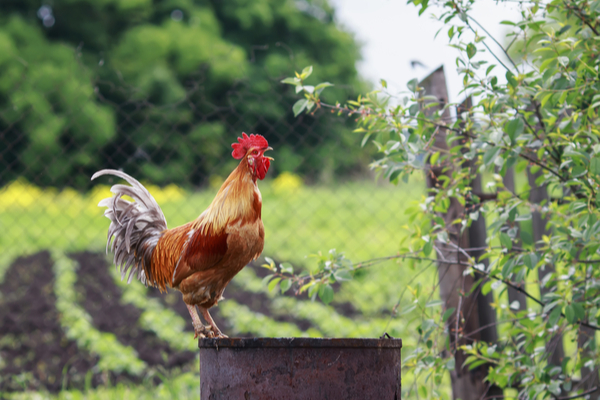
(203, 251)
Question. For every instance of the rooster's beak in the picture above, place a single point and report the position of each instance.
(268, 158)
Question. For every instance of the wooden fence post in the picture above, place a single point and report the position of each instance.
(466, 384)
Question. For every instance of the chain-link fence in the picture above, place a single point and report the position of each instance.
(318, 194)
(160, 90)
(66, 320)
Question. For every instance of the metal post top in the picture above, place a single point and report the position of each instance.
(242, 343)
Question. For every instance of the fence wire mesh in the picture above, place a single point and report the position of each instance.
(55, 133)
(160, 90)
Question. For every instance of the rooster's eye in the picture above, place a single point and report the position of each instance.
(255, 152)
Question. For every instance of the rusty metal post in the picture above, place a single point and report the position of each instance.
(300, 368)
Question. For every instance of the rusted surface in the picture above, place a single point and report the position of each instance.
(300, 368)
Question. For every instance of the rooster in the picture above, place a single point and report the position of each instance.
(201, 257)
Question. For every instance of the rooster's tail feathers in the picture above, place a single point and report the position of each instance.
(135, 226)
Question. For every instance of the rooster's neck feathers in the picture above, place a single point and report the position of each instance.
(238, 199)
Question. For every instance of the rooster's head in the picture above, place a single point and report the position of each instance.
(253, 148)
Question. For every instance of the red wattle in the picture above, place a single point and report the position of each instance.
(262, 168)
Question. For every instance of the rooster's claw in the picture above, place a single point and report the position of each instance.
(203, 331)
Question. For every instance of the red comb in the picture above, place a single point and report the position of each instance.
(246, 142)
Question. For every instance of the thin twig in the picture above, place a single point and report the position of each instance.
(495, 41)
(577, 11)
(496, 323)
(576, 396)
(587, 261)
(366, 112)
(538, 301)
(393, 313)
(543, 166)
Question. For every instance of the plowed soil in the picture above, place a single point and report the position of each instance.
(35, 354)
(34, 351)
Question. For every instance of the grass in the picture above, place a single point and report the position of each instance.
(362, 219)
(182, 386)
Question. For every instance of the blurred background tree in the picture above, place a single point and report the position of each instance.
(160, 88)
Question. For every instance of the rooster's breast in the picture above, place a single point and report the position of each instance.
(245, 242)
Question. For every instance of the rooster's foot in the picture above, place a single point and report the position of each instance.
(203, 331)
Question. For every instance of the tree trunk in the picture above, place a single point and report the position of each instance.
(471, 311)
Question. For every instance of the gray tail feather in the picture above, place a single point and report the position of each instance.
(135, 226)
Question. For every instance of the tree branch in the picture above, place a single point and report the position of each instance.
(576, 396)
(543, 166)
(578, 12)
(494, 39)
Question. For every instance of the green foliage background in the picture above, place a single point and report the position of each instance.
(161, 88)
(533, 114)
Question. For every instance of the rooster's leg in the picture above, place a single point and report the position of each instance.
(199, 329)
(215, 329)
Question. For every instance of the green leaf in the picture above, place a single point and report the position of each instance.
(285, 285)
(286, 268)
(505, 240)
(273, 283)
(579, 311)
(546, 98)
(530, 260)
(490, 155)
(563, 30)
(546, 63)
(563, 61)
(326, 293)
(514, 127)
(306, 72)
(554, 316)
(554, 388)
(299, 106)
(266, 279)
(306, 286)
(383, 83)
(570, 313)
(595, 165)
(448, 313)
(314, 290)
(486, 288)
(507, 269)
(510, 77)
(291, 81)
(364, 141)
(412, 85)
(434, 303)
(471, 50)
(342, 275)
(428, 247)
(477, 364)
(321, 86)
(526, 238)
